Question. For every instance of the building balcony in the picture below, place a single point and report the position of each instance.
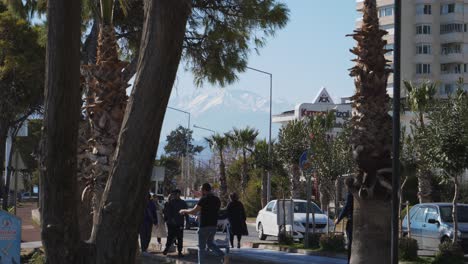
(452, 77)
(423, 58)
(452, 18)
(423, 19)
(423, 38)
(452, 58)
(451, 37)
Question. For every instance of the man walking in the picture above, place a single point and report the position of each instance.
(175, 222)
(150, 218)
(208, 206)
(347, 212)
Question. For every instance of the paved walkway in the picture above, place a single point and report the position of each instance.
(29, 230)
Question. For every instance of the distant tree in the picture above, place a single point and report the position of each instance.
(446, 141)
(171, 170)
(292, 142)
(219, 143)
(262, 163)
(21, 75)
(420, 101)
(179, 143)
(244, 141)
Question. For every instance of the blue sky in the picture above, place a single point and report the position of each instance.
(312, 51)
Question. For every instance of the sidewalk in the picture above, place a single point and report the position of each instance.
(29, 230)
(247, 255)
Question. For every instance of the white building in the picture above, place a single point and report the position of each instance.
(322, 104)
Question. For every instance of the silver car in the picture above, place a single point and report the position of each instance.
(431, 224)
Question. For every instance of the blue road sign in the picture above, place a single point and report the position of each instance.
(10, 238)
(306, 161)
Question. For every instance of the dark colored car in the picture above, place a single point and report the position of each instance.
(191, 220)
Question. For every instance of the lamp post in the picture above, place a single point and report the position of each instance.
(204, 128)
(396, 134)
(269, 131)
(187, 174)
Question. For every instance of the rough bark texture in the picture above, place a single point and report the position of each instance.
(126, 191)
(371, 139)
(60, 232)
(105, 104)
(3, 137)
(85, 210)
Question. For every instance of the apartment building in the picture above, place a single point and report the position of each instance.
(434, 41)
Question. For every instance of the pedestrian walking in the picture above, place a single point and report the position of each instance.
(150, 218)
(160, 230)
(347, 212)
(236, 216)
(208, 206)
(175, 222)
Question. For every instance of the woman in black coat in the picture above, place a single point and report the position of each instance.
(237, 218)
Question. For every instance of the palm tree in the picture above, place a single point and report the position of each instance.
(105, 103)
(219, 143)
(371, 140)
(292, 142)
(243, 140)
(420, 100)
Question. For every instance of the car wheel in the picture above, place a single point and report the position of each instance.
(445, 239)
(261, 235)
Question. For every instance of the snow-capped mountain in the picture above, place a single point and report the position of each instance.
(220, 110)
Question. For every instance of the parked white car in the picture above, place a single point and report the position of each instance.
(266, 224)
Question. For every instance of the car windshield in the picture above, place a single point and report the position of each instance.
(301, 207)
(191, 204)
(446, 213)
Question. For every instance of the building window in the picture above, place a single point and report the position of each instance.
(451, 28)
(447, 88)
(451, 8)
(423, 9)
(451, 68)
(423, 29)
(465, 68)
(450, 48)
(423, 68)
(386, 11)
(389, 47)
(423, 48)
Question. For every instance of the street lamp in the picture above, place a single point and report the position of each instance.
(204, 128)
(269, 132)
(187, 175)
(396, 134)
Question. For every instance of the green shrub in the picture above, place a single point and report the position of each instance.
(332, 242)
(36, 256)
(314, 240)
(449, 253)
(285, 238)
(408, 249)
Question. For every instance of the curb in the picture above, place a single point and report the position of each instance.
(306, 252)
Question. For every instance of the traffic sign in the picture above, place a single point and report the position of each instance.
(306, 161)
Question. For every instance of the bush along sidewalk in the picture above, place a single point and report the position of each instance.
(408, 249)
(449, 253)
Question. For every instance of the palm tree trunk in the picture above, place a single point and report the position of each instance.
(222, 179)
(371, 232)
(160, 53)
(105, 105)
(245, 177)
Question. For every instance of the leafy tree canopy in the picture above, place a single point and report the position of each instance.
(21, 67)
(177, 143)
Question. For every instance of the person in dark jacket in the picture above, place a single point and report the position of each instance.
(347, 212)
(150, 218)
(175, 222)
(236, 216)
